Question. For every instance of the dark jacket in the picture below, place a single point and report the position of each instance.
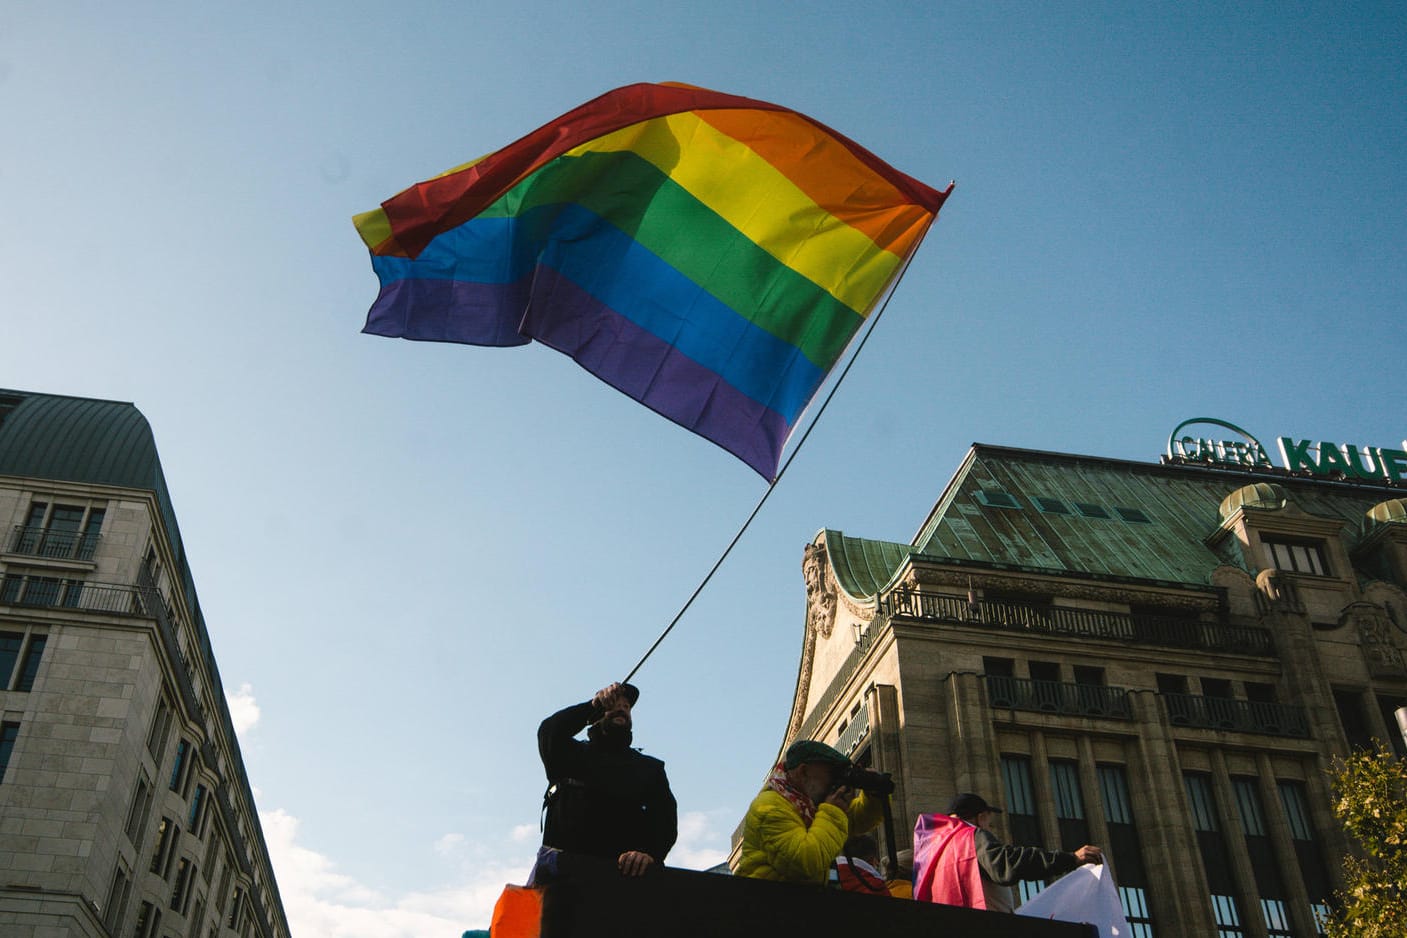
(1004, 865)
(1007, 864)
(608, 799)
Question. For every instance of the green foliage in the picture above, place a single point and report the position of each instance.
(1370, 798)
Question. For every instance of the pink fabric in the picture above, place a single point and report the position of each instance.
(945, 862)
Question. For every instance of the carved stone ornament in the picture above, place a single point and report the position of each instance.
(1375, 635)
(820, 594)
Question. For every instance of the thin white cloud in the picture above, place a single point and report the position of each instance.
(321, 901)
(244, 709)
(703, 842)
(450, 845)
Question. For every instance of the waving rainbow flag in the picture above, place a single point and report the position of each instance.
(708, 255)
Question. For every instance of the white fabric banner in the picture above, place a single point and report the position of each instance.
(1085, 895)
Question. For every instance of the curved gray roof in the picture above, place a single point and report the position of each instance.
(76, 439)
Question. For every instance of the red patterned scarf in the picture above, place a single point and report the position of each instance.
(779, 783)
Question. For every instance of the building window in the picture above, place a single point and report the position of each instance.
(194, 821)
(137, 814)
(1264, 863)
(115, 910)
(148, 921)
(1389, 707)
(180, 892)
(1124, 844)
(1216, 860)
(1069, 804)
(1353, 718)
(1313, 869)
(62, 532)
(1021, 815)
(160, 726)
(1050, 506)
(995, 498)
(1091, 510)
(19, 589)
(9, 732)
(236, 907)
(1296, 556)
(166, 837)
(20, 653)
(1133, 515)
(181, 765)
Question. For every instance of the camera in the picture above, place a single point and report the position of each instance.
(866, 780)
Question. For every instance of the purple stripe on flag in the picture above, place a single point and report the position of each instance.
(653, 372)
(450, 311)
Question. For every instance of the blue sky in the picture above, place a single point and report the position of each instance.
(408, 554)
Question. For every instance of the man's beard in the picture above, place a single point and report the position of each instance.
(606, 732)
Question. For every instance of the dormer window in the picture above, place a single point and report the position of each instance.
(1296, 556)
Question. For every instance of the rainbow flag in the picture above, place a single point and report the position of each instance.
(708, 255)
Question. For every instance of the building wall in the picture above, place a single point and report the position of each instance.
(1222, 718)
(92, 796)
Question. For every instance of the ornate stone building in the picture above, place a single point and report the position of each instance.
(1161, 659)
(125, 811)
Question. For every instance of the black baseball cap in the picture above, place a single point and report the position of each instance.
(968, 805)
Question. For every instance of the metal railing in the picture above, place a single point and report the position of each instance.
(56, 545)
(1245, 716)
(31, 590)
(1090, 700)
(1169, 631)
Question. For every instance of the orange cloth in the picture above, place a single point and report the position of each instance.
(518, 913)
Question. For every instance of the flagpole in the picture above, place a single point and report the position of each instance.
(811, 425)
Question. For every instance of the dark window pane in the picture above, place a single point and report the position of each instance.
(10, 643)
(30, 666)
(9, 732)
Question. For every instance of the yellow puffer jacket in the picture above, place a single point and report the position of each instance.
(777, 844)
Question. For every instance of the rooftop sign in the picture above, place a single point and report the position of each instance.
(1323, 460)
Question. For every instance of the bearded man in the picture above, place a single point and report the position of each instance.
(604, 798)
(798, 823)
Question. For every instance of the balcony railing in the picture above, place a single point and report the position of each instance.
(1091, 700)
(56, 545)
(1168, 631)
(1245, 716)
(30, 590)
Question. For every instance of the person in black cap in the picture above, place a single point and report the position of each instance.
(605, 798)
(1000, 866)
(798, 823)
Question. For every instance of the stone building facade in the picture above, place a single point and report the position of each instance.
(125, 811)
(1161, 659)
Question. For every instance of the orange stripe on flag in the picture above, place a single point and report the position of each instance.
(518, 913)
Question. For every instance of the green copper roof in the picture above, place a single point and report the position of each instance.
(1392, 511)
(1263, 495)
(1058, 513)
(77, 440)
(864, 567)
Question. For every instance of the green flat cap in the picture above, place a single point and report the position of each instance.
(808, 750)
